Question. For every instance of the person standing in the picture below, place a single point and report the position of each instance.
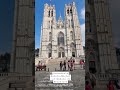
(44, 66)
(68, 65)
(64, 65)
(61, 65)
(71, 62)
(110, 86)
(81, 64)
(74, 63)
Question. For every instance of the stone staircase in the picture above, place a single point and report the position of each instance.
(46, 84)
(53, 61)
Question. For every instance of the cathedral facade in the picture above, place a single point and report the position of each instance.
(61, 38)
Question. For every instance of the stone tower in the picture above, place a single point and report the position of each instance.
(22, 60)
(100, 51)
(61, 38)
(72, 27)
(49, 24)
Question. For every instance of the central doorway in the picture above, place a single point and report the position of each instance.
(61, 52)
(73, 54)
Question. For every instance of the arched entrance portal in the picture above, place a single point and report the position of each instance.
(91, 55)
(92, 66)
(61, 52)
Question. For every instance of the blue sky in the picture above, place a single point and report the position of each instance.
(6, 25)
(59, 5)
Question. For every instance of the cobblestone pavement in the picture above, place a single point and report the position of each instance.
(42, 80)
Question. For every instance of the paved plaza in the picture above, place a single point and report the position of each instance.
(42, 79)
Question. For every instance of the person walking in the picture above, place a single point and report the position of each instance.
(61, 65)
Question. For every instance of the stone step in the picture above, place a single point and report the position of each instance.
(46, 84)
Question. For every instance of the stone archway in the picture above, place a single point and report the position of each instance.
(91, 55)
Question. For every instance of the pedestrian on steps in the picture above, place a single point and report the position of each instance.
(74, 63)
(68, 65)
(71, 62)
(64, 69)
(110, 86)
(61, 65)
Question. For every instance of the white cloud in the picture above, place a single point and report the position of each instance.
(82, 13)
(83, 33)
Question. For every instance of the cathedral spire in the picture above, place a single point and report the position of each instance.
(60, 18)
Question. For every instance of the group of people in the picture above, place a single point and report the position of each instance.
(90, 83)
(70, 64)
(40, 66)
(112, 85)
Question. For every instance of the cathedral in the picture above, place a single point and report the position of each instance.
(61, 38)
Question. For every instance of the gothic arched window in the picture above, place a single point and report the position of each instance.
(61, 52)
(52, 13)
(50, 36)
(72, 46)
(69, 23)
(71, 11)
(68, 11)
(49, 47)
(90, 44)
(92, 66)
(49, 13)
(90, 1)
(71, 35)
(87, 21)
(61, 38)
(49, 24)
(87, 16)
(72, 23)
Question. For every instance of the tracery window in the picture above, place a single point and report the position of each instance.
(49, 13)
(71, 35)
(61, 38)
(50, 36)
(68, 11)
(49, 47)
(52, 13)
